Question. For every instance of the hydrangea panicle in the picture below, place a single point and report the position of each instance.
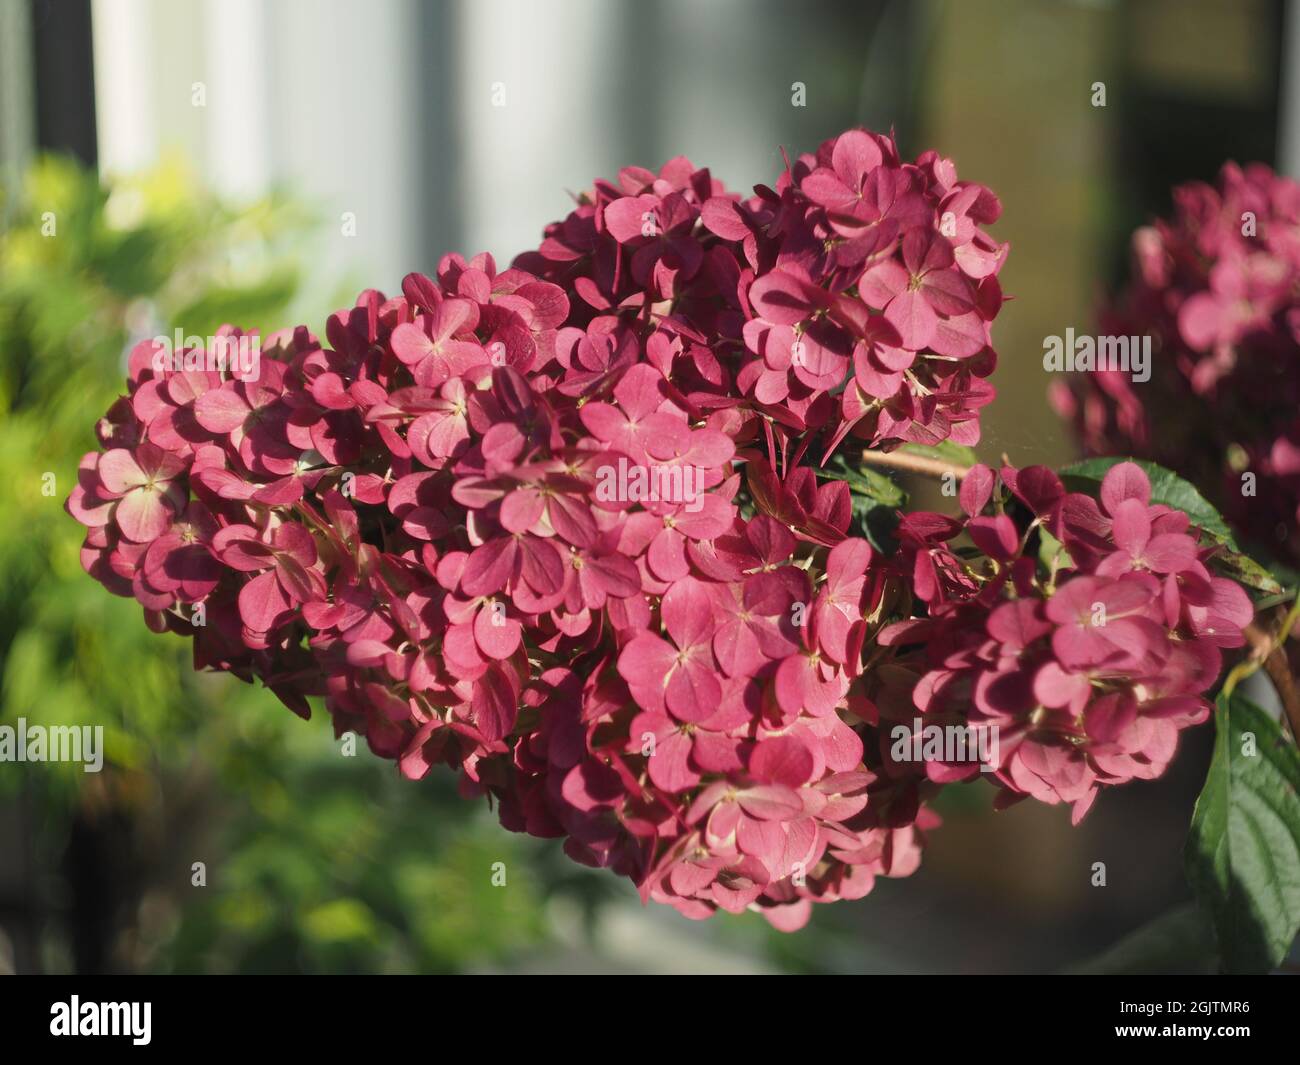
(410, 518)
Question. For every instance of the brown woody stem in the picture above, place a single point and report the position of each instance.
(903, 460)
(1269, 650)
(1279, 672)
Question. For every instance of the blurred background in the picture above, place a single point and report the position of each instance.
(258, 162)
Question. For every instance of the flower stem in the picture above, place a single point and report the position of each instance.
(903, 460)
(1270, 652)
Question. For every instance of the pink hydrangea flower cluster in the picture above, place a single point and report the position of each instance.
(407, 521)
(1217, 288)
(855, 298)
(1087, 663)
(557, 527)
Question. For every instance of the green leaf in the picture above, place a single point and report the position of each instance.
(1245, 570)
(876, 499)
(864, 480)
(1051, 552)
(1180, 941)
(340, 920)
(1171, 490)
(1243, 851)
(876, 523)
(1166, 487)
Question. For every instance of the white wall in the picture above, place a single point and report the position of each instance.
(453, 125)
(1288, 149)
(314, 95)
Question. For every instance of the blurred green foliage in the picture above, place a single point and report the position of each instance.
(339, 865)
(86, 269)
(313, 860)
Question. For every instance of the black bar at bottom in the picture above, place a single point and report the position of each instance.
(384, 1014)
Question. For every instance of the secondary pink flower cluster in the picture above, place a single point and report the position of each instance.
(1217, 288)
(1087, 661)
(554, 526)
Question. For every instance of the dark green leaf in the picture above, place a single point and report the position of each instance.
(1166, 487)
(876, 500)
(1245, 570)
(1243, 850)
(865, 481)
(1171, 490)
(1180, 941)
